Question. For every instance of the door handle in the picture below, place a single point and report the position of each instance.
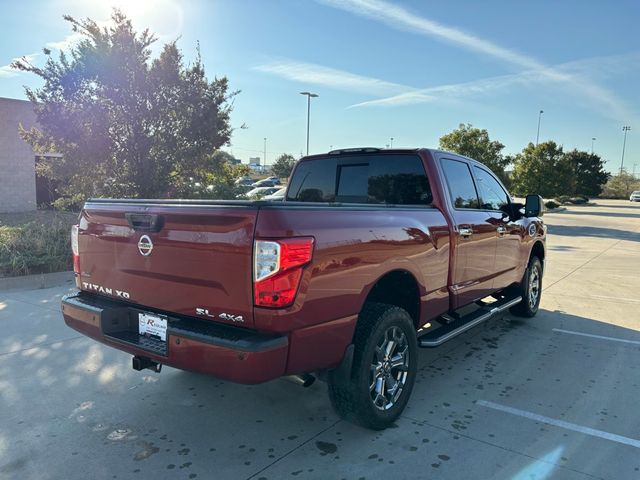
(143, 222)
(465, 232)
(501, 231)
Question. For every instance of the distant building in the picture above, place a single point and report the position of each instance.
(17, 160)
(21, 190)
(255, 161)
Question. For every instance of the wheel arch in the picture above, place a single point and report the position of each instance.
(400, 288)
(538, 250)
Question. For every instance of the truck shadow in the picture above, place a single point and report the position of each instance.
(598, 232)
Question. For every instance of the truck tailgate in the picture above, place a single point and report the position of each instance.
(188, 258)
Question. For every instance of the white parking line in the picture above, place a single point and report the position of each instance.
(561, 423)
(590, 335)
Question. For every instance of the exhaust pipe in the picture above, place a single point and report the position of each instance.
(141, 363)
(304, 380)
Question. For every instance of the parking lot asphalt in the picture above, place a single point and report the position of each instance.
(555, 396)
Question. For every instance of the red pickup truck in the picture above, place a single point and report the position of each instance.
(372, 254)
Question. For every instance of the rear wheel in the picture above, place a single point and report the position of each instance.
(530, 289)
(384, 368)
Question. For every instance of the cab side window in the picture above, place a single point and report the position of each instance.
(493, 196)
(461, 187)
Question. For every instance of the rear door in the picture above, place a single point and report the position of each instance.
(193, 259)
(474, 235)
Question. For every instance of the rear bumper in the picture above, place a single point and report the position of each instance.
(222, 351)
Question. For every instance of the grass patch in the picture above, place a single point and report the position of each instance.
(35, 242)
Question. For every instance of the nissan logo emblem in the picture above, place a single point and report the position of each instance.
(145, 245)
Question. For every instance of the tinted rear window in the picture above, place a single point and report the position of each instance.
(461, 187)
(389, 179)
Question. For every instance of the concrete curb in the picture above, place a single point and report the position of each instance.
(34, 282)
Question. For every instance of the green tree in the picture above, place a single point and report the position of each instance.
(543, 169)
(220, 157)
(620, 186)
(218, 182)
(283, 165)
(589, 171)
(126, 124)
(475, 143)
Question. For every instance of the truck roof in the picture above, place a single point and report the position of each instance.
(435, 152)
(358, 150)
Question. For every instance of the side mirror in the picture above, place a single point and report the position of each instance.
(515, 211)
(533, 206)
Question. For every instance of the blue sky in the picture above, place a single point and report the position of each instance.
(411, 70)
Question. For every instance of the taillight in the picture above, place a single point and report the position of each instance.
(76, 253)
(277, 270)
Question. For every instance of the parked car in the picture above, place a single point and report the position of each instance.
(244, 181)
(260, 192)
(371, 255)
(635, 196)
(267, 182)
(277, 196)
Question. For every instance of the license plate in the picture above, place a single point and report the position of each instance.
(151, 325)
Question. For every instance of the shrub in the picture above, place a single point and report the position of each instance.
(35, 247)
(550, 204)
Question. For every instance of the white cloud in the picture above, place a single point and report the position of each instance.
(402, 19)
(604, 66)
(312, 74)
(7, 71)
(66, 43)
(441, 92)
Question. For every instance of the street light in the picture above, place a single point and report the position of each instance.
(391, 143)
(265, 151)
(538, 134)
(625, 129)
(309, 97)
(593, 139)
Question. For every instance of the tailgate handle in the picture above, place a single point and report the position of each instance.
(145, 222)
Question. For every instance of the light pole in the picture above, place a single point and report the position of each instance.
(309, 97)
(538, 134)
(391, 143)
(265, 151)
(593, 139)
(625, 129)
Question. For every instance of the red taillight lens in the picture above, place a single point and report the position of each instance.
(75, 250)
(278, 268)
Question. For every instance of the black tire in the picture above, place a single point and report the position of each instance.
(352, 396)
(530, 289)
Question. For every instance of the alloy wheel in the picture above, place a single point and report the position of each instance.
(534, 288)
(389, 368)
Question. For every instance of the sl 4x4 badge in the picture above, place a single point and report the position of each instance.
(223, 316)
